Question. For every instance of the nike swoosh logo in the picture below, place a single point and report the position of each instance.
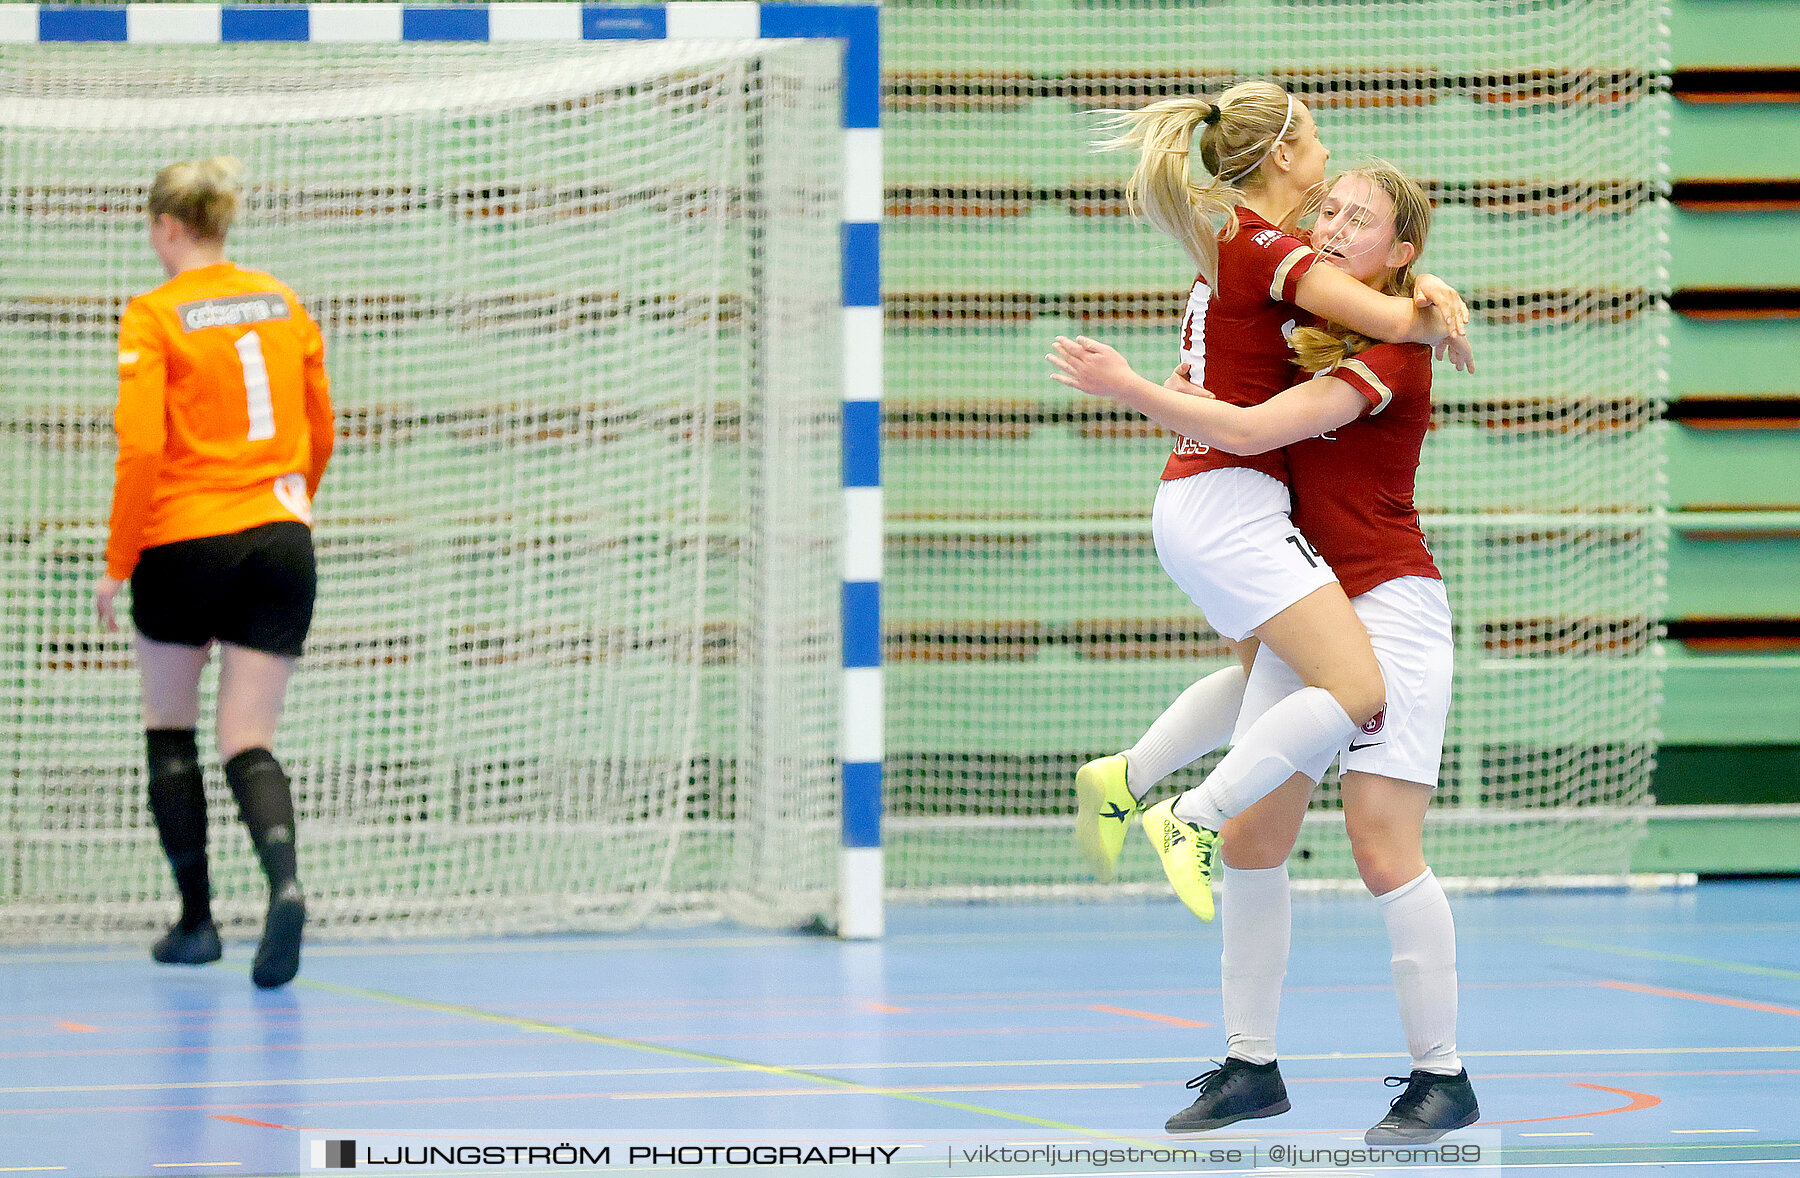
(1367, 744)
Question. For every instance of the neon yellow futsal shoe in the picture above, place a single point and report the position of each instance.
(1187, 854)
(1103, 814)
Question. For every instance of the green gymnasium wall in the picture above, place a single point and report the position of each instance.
(1728, 775)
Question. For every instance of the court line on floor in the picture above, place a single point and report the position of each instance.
(482, 1015)
(1145, 1014)
(610, 943)
(844, 1088)
(979, 1000)
(1715, 999)
(265, 1048)
(1767, 971)
(809, 1069)
(1635, 1102)
(913, 1094)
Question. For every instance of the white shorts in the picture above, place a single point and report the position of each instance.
(1408, 620)
(1224, 536)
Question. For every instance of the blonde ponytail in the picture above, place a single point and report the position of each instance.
(204, 195)
(1232, 137)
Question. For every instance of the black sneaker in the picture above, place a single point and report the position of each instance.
(278, 955)
(1234, 1091)
(184, 945)
(1431, 1106)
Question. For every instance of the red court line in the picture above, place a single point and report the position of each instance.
(1635, 1102)
(1157, 1018)
(82, 1028)
(1716, 1000)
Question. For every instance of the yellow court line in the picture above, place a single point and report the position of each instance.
(475, 1012)
(1767, 971)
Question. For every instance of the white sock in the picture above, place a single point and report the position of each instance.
(1287, 739)
(1424, 940)
(1256, 909)
(1199, 721)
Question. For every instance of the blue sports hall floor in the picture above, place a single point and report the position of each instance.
(1606, 1032)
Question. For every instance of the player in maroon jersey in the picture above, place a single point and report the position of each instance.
(1352, 435)
(1221, 520)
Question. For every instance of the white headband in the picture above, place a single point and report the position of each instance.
(1279, 136)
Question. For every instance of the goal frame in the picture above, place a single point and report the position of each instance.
(861, 875)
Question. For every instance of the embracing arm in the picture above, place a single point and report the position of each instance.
(1336, 297)
(1304, 411)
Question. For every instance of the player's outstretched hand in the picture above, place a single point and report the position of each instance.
(1091, 366)
(1456, 349)
(1179, 382)
(105, 591)
(1452, 314)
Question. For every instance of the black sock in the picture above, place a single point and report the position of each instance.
(178, 803)
(267, 807)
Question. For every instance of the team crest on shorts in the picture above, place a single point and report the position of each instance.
(1374, 723)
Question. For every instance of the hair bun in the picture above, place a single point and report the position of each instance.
(1211, 117)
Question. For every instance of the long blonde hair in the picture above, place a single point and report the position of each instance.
(203, 195)
(1318, 349)
(1233, 135)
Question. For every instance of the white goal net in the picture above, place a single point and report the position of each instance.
(576, 656)
(1030, 626)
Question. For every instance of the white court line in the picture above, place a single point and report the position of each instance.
(823, 1068)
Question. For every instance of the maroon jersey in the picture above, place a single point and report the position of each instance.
(1353, 487)
(1234, 338)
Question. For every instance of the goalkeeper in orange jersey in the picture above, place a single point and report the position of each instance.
(224, 426)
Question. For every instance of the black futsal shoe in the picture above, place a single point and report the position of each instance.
(1234, 1091)
(184, 945)
(278, 956)
(1431, 1106)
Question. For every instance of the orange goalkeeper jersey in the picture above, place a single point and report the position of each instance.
(224, 417)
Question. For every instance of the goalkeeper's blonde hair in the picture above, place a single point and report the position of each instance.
(203, 195)
(1319, 349)
(1233, 136)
